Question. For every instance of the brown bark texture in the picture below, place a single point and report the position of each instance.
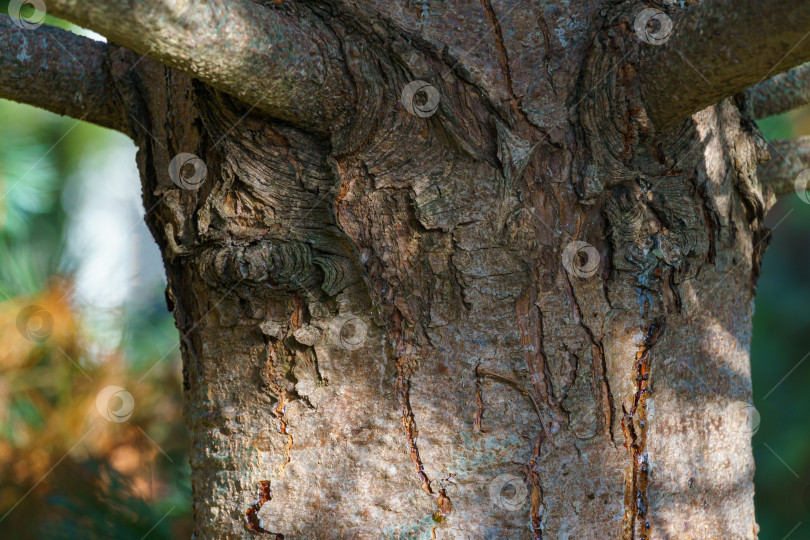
(489, 298)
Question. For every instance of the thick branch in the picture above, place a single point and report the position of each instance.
(59, 71)
(788, 159)
(718, 48)
(780, 94)
(265, 55)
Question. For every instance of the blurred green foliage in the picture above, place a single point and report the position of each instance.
(780, 367)
(65, 471)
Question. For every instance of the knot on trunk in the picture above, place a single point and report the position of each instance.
(285, 265)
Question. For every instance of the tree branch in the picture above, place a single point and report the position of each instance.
(58, 71)
(780, 94)
(718, 48)
(265, 55)
(788, 159)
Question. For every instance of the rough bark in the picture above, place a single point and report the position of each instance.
(517, 312)
(711, 53)
(59, 71)
(277, 57)
(785, 92)
(785, 172)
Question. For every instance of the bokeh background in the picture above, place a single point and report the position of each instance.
(82, 308)
(77, 261)
(780, 360)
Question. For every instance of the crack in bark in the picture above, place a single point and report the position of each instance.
(598, 352)
(499, 44)
(517, 386)
(280, 383)
(531, 339)
(254, 523)
(634, 426)
(283, 392)
(531, 469)
(479, 400)
(402, 387)
(547, 43)
(537, 488)
(607, 395)
(403, 391)
(279, 412)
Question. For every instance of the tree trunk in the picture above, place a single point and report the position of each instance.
(495, 303)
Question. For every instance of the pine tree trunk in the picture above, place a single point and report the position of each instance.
(454, 321)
